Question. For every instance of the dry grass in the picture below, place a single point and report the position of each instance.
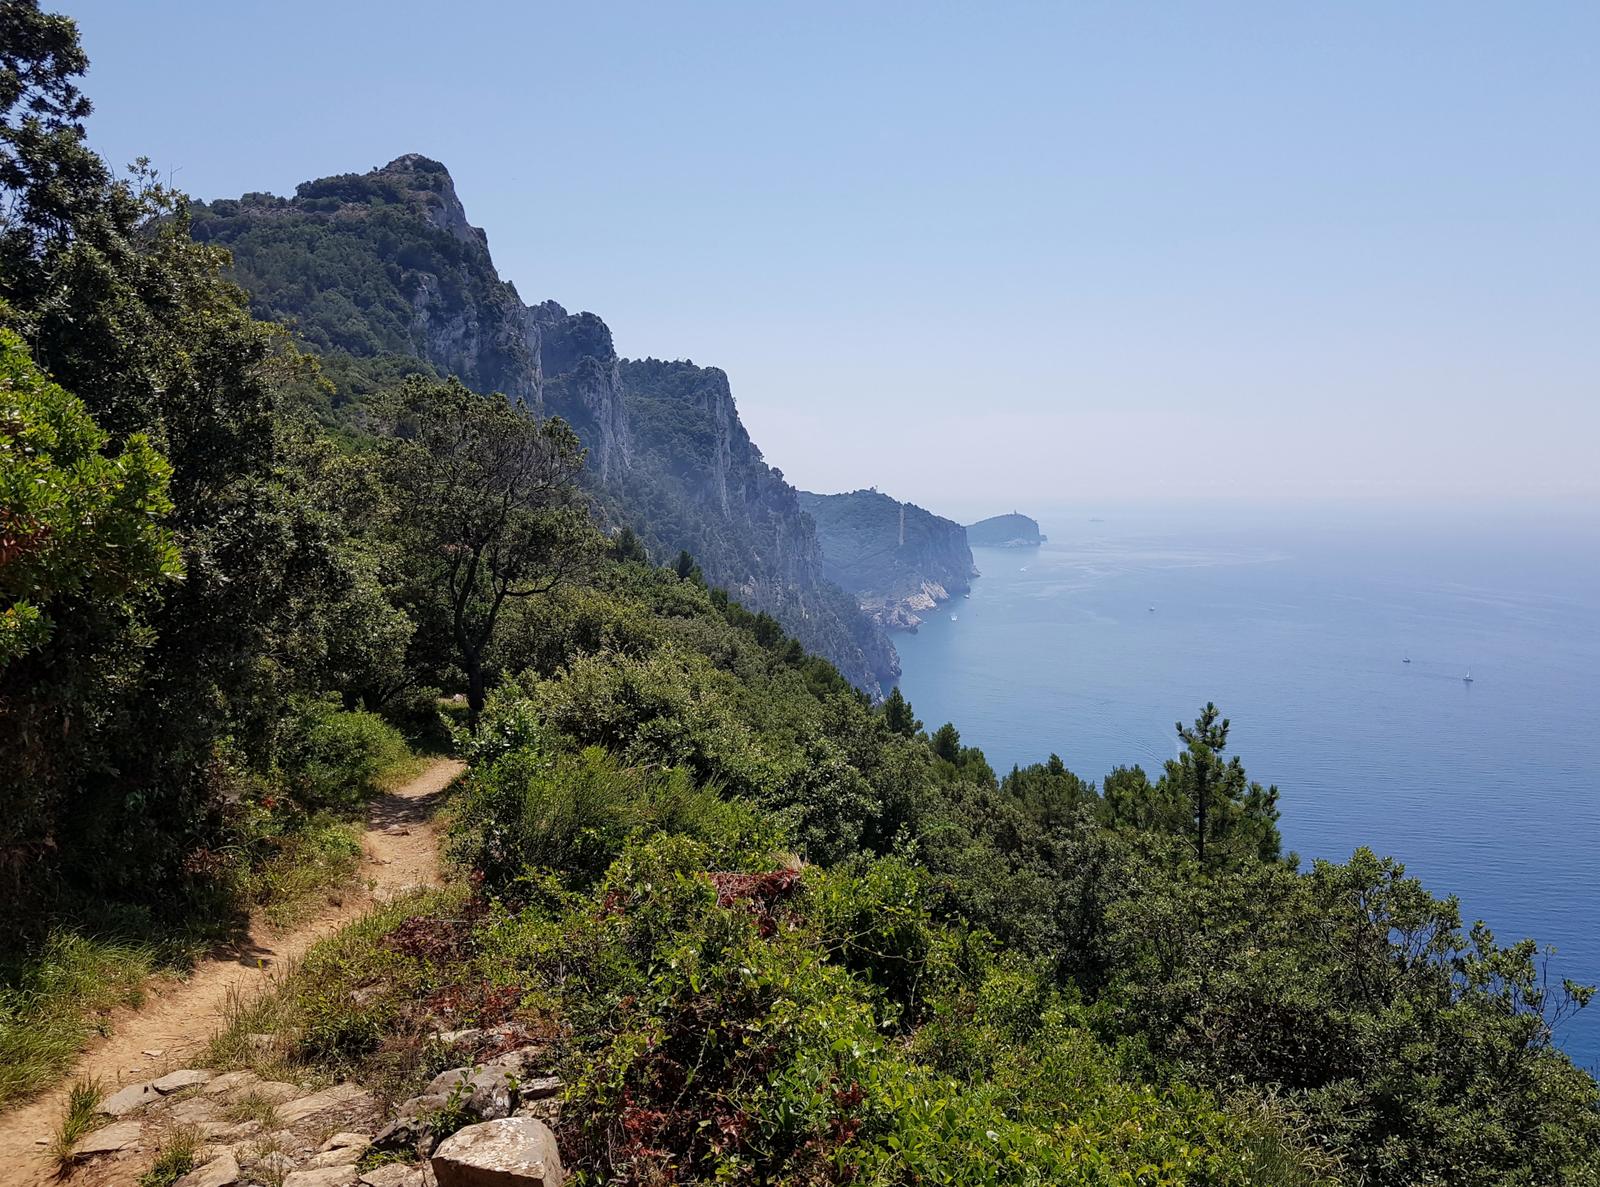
(252, 1106)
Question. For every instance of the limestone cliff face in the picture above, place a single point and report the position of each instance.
(382, 270)
(753, 537)
(899, 560)
(582, 384)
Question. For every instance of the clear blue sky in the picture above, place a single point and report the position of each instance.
(987, 254)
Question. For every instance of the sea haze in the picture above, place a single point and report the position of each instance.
(1297, 626)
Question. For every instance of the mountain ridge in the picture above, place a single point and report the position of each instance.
(382, 273)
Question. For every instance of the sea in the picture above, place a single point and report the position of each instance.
(1299, 624)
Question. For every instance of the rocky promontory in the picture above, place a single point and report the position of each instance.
(1005, 531)
(898, 560)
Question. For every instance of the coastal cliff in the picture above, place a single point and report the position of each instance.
(899, 560)
(382, 275)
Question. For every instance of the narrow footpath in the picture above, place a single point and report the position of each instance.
(179, 1016)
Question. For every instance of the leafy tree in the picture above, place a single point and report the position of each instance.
(50, 181)
(626, 546)
(75, 524)
(1226, 816)
(946, 742)
(686, 569)
(117, 739)
(486, 496)
(897, 715)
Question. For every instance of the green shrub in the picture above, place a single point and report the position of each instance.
(338, 758)
(531, 810)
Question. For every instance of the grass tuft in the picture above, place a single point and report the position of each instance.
(175, 1156)
(52, 1001)
(79, 1117)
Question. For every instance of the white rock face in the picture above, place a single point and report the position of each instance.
(510, 1152)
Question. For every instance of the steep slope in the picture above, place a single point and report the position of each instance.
(382, 274)
(1005, 531)
(897, 559)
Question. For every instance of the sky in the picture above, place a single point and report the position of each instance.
(986, 256)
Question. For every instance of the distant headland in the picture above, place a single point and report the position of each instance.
(1005, 531)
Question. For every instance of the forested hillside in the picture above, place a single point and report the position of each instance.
(377, 271)
(769, 931)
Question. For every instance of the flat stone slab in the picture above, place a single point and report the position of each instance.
(231, 1082)
(108, 1140)
(540, 1087)
(340, 1141)
(125, 1100)
(341, 1156)
(394, 1174)
(327, 1176)
(509, 1152)
(276, 1091)
(329, 1098)
(187, 1077)
(230, 1131)
(219, 1172)
(194, 1111)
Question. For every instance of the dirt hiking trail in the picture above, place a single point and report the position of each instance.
(400, 850)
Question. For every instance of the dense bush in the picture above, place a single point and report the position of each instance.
(338, 758)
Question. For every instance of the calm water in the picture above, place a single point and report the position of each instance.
(1297, 628)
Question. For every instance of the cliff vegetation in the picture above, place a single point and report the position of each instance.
(770, 931)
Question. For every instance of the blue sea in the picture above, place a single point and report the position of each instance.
(1297, 623)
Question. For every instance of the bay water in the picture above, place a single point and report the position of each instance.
(1298, 623)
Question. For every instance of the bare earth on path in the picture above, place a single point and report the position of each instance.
(178, 1018)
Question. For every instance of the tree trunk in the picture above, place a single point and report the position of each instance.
(475, 693)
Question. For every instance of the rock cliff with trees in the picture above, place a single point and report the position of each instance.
(759, 929)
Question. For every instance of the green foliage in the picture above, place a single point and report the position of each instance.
(75, 525)
(176, 1155)
(79, 1116)
(1229, 818)
(485, 505)
(52, 1000)
(531, 811)
(975, 980)
(336, 758)
(897, 715)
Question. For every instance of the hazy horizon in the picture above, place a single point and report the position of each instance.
(1098, 252)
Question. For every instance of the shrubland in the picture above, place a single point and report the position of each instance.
(770, 931)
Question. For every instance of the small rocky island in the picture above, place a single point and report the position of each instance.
(898, 560)
(1005, 531)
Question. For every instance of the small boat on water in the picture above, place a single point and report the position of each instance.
(952, 618)
(1407, 660)
(1152, 609)
(1467, 679)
